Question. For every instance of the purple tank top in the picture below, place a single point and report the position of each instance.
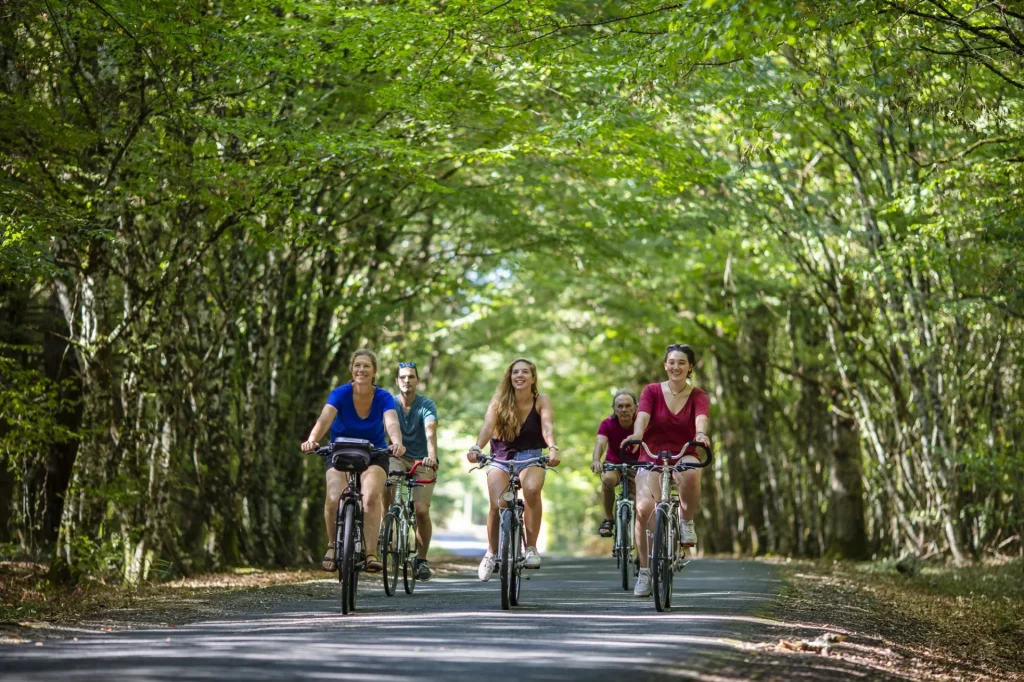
(530, 437)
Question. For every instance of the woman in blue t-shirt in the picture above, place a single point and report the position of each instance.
(358, 410)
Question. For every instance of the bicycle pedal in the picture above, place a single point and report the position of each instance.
(531, 568)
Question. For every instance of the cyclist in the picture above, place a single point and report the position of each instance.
(610, 434)
(417, 416)
(343, 415)
(520, 420)
(671, 413)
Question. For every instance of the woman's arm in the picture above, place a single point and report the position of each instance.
(486, 431)
(394, 432)
(639, 426)
(599, 449)
(703, 426)
(323, 424)
(547, 427)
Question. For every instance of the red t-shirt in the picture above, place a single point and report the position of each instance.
(667, 431)
(611, 429)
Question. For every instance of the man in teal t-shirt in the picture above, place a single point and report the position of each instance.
(417, 415)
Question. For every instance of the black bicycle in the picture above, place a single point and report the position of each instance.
(511, 538)
(623, 550)
(398, 542)
(664, 557)
(352, 456)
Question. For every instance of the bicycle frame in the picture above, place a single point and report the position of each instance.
(625, 519)
(511, 543)
(402, 512)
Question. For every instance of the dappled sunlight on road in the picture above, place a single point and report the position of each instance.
(574, 624)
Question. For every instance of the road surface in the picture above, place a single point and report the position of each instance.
(574, 625)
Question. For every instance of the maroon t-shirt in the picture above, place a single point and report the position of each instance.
(611, 429)
(667, 431)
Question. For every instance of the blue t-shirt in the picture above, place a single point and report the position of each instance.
(414, 424)
(349, 424)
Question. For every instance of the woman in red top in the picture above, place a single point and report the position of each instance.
(670, 414)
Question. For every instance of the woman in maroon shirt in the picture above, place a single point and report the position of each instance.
(670, 414)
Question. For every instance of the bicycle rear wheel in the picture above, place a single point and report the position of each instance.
(412, 551)
(391, 552)
(661, 561)
(506, 555)
(348, 558)
(624, 531)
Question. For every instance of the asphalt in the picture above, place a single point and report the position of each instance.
(573, 624)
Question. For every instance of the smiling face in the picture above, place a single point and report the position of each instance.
(407, 381)
(677, 366)
(522, 376)
(363, 370)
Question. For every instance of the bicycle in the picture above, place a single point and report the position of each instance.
(351, 455)
(664, 561)
(511, 538)
(398, 532)
(625, 517)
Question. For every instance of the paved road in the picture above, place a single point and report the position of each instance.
(574, 625)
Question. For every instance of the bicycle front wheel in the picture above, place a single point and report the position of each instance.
(506, 555)
(624, 531)
(391, 552)
(347, 570)
(412, 551)
(661, 561)
(517, 568)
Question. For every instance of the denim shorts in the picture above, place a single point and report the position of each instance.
(507, 466)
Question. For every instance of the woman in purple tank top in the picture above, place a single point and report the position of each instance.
(518, 425)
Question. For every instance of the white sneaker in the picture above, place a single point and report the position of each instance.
(532, 558)
(687, 534)
(643, 583)
(487, 566)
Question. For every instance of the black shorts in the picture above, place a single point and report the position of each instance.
(382, 461)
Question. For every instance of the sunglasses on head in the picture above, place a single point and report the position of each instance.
(403, 365)
(677, 346)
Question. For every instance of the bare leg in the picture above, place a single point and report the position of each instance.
(532, 479)
(423, 528)
(648, 494)
(497, 481)
(689, 493)
(609, 480)
(372, 483)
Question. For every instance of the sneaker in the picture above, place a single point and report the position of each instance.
(687, 534)
(643, 583)
(532, 558)
(423, 572)
(487, 566)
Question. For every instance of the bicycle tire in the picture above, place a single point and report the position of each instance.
(624, 533)
(390, 552)
(409, 558)
(661, 565)
(505, 556)
(517, 569)
(348, 558)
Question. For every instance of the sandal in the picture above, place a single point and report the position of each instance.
(373, 564)
(328, 563)
(605, 530)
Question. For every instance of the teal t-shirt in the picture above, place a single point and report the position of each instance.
(414, 424)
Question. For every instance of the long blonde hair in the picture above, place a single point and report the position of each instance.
(507, 422)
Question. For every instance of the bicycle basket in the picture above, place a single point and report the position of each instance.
(351, 454)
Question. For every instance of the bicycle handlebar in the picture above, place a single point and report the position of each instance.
(623, 466)
(668, 457)
(483, 460)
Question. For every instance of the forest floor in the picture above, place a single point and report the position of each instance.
(945, 623)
